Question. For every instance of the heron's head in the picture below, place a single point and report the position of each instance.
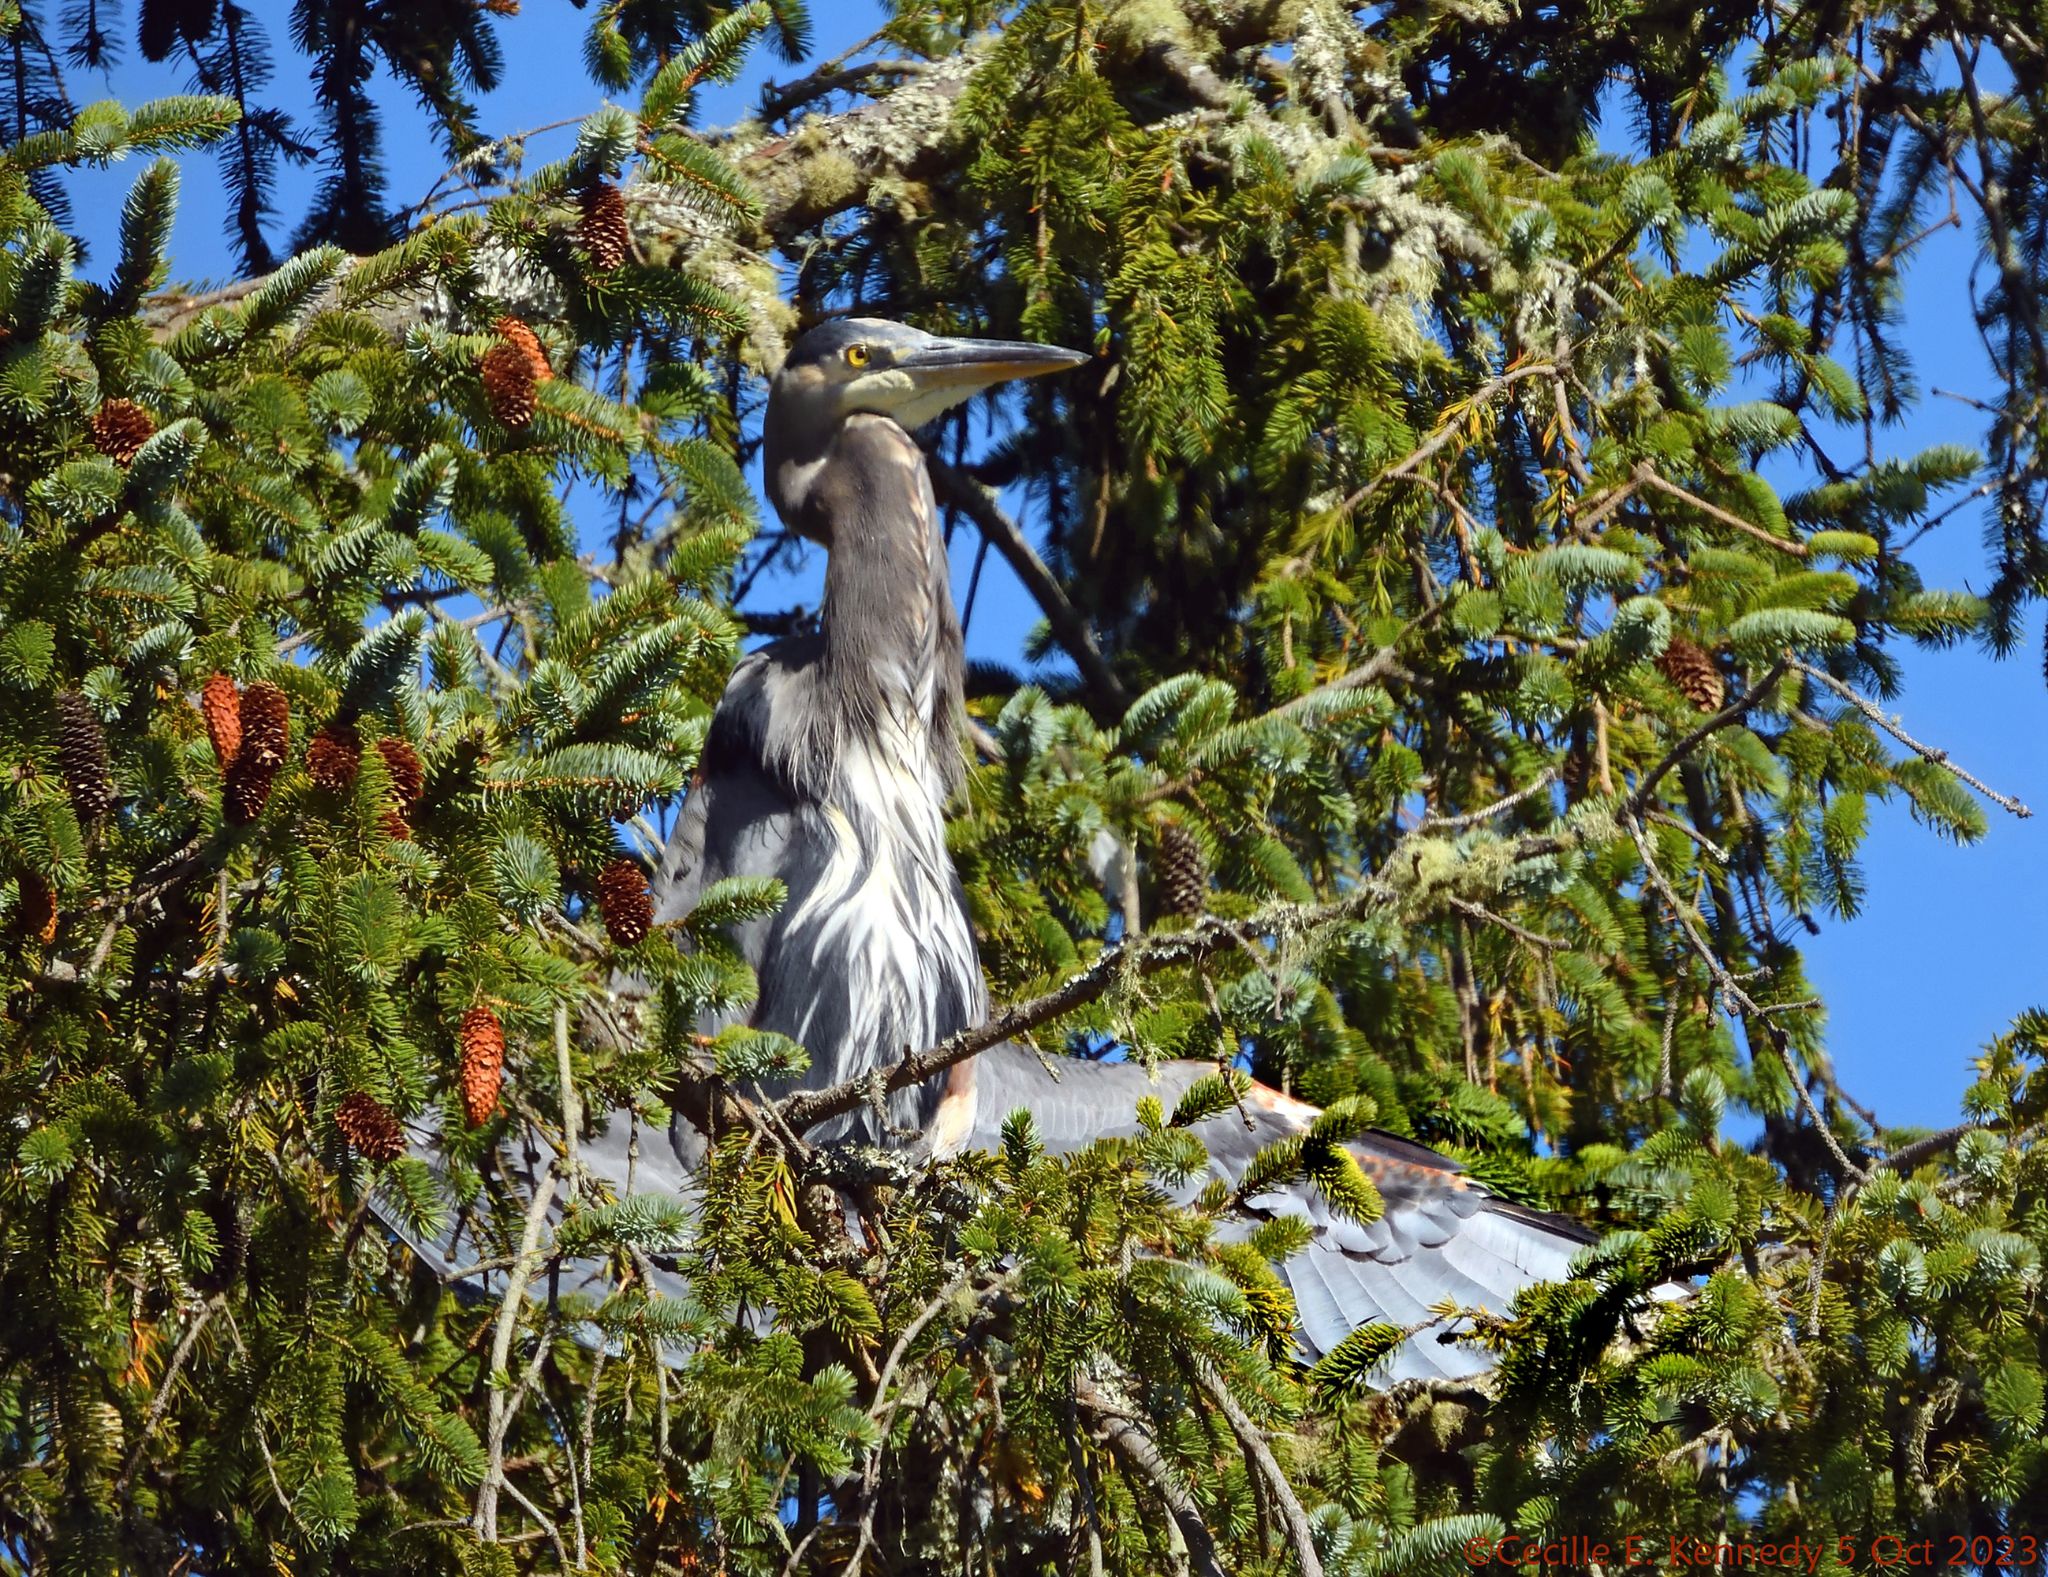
(854, 366)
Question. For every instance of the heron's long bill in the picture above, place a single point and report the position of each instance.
(981, 362)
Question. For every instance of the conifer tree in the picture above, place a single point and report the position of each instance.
(1457, 711)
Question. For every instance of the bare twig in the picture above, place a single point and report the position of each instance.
(522, 1270)
(161, 1402)
(1068, 627)
(1933, 753)
(1649, 478)
(1485, 813)
(1732, 989)
(1145, 955)
(1480, 912)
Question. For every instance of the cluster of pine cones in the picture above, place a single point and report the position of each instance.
(513, 370)
(376, 1135)
(251, 731)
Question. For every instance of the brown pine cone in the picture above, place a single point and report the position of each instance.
(517, 334)
(82, 756)
(1576, 774)
(266, 736)
(120, 428)
(35, 908)
(245, 790)
(481, 1071)
(1690, 668)
(1183, 872)
(266, 725)
(513, 371)
(332, 757)
(627, 906)
(603, 233)
(366, 1124)
(408, 776)
(220, 703)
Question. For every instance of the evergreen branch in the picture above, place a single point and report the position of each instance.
(1931, 753)
(1069, 628)
(2013, 274)
(1256, 1446)
(160, 1403)
(1134, 1445)
(1142, 956)
(1732, 989)
(1647, 475)
(1447, 430)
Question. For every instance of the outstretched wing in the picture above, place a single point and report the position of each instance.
(1442, 1236)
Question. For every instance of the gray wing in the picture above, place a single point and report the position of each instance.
(736, 820)
(621, 1159)
(1442, 1234)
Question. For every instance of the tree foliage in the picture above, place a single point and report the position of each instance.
(1478, 565)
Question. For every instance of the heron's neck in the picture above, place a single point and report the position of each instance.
(893, 651)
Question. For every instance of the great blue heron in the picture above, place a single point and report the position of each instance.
(829, 764)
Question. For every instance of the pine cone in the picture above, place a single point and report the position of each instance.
(1576, 774)
(266, 725)
(266, 735)
(1183, 872)
(408, 776)
(332, 757)
(35, 908)
(82, 756)
(220, 703)
(120, 428)
(481, 1071)
(245, 790)
(515, 333)
(603, 233)
(512, 372)
(627, 906)
(1690, 668)
(366, 1124)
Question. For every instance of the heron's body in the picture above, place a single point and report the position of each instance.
(828, 766)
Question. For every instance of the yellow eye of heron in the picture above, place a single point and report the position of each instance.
(856, 355)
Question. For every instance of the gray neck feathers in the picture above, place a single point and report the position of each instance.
(893, 666)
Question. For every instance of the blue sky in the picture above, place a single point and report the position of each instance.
(1949, 945)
